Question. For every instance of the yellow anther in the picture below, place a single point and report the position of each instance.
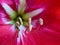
(41, 21)
(17, 24)
(21, 22)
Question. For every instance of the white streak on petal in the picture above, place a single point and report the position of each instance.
(21, 34)
(22, 39)
(13, 28)
(35, 12)
(5, 21)
(9, 10)
(22, 28)
(34, 23)
(2, 15)
(19, 37)
(21, 6)
(10, 22)
(24, 35)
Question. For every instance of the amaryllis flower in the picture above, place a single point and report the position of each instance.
(16, 18)
(36, 20)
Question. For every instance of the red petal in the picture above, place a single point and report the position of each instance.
(7, 35)
(35, 4)
(12, 3)
(3, 15)
(44, 35)
(49, 33)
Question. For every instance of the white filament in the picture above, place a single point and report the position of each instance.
(30, 25)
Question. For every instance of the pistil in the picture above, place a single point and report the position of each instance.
(30, 25)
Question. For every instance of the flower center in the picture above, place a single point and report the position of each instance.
(20, 21)
(19, 18)
(22, 18)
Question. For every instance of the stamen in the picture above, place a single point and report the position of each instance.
(17, 25)
(30, 26)
(41, 21)
(20, 20)
(35, 12)
(9, 10)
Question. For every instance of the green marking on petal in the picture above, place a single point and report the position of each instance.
(9, 11)
(21, 6)
(35, 12)
(25, 23)
(10, 22)
(25, 17)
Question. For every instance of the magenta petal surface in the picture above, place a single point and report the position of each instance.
(7, 35)
(47, 34)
